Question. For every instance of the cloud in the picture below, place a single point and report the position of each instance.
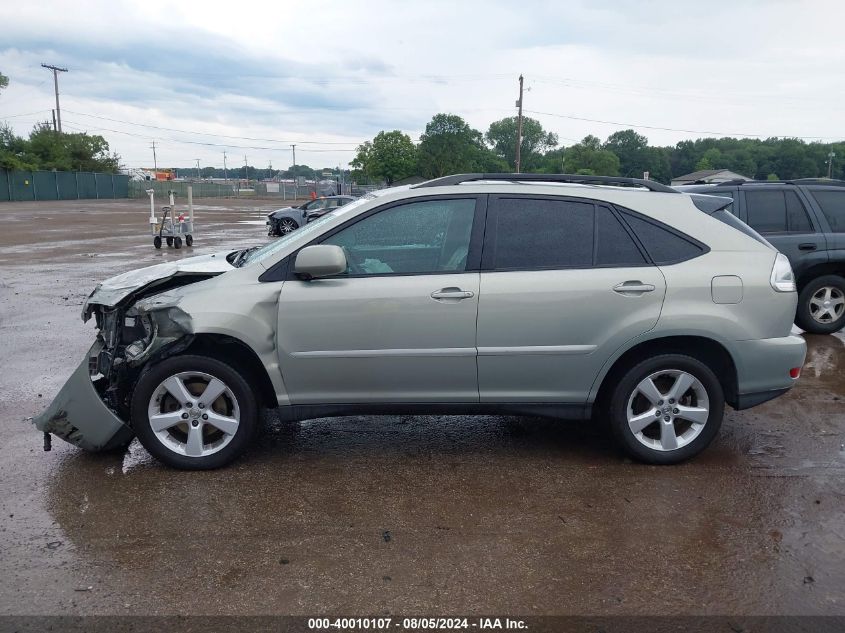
(331, 72)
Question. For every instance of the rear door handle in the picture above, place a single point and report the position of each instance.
(451, 293)
(633, 287)
(807, 246)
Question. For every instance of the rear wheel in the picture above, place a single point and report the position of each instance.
(666, 409)
(189, 240)
(821, 305)
(157, 241)
(194, 412)
(177, 242)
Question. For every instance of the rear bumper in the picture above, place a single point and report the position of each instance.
(762, 368)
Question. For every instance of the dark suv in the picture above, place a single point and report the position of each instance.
(805, 220)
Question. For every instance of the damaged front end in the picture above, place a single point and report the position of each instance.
(135, 326)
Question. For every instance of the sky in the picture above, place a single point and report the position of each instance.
(204, 78)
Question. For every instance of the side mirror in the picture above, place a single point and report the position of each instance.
(322, 260)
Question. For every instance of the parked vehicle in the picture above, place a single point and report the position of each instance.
(805, 220)
(563, 296)
(284, 221)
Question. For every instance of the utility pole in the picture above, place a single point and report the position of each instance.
(55, 128)
(155, 162)
(246, 170)
(293, 167)
(830, 158)
(56, 70)
(225, 171)
(198, 169)
(519, 128)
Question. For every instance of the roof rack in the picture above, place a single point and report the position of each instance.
(457, 179)
(795, 181)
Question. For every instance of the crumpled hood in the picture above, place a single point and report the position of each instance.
(115, 289)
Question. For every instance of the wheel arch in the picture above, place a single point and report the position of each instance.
(232, 351)
(708, 350)
(819, 270)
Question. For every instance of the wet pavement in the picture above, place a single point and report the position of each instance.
(375, 515)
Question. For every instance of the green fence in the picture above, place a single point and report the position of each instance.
(138, 189)
(61, 185)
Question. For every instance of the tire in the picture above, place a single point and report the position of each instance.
(189, 240)
(287, 225)
(235, 409)
(812, 314)
(703, 400)
(157, 241)
(177, 242)
(169, 241)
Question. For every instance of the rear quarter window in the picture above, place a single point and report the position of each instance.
(832, 204)
(664, 245)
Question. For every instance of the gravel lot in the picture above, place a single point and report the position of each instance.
(375, 515)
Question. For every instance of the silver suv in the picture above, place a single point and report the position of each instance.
(562, 296)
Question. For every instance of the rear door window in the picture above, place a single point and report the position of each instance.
(776, 211)
(832, 204)
(548, 233)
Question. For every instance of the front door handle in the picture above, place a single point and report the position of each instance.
(807, 246)
(445, 294)
(633, 288)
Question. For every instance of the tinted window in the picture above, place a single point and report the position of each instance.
(776, 211)
(419, 237)
(832, 204)
(532, 233)
(614, 246)
(664, 246)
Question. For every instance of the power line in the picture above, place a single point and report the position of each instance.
(82, 126)
(243, 138)
(672, 129)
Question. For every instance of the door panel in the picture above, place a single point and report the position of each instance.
(544, 335)
(801, 241)
(399, 324)
(379, 339)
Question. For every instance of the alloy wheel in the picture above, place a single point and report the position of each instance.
(827, 305)
(286, 226)
(193, 414)
(668, 409)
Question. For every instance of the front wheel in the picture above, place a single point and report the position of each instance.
(666, 409)
(193, 412)
(821, 305)
(287, 225)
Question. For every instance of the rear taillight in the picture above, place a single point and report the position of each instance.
(782, 279)
(795, 372)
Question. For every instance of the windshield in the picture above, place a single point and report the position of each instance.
(275, 246)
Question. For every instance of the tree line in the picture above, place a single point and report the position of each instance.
(46, 149)
(450, 145)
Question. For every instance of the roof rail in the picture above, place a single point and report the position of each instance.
(457, 179)
(794, 181)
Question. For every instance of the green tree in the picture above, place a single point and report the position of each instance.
(4, 81)
(535, 141)
(589, 158)
(636, 156)
(390, 156)
(553, 161)
(12, 150)
(450, 146)
(69, 152)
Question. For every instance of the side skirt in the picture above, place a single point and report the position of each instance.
(563, 411)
